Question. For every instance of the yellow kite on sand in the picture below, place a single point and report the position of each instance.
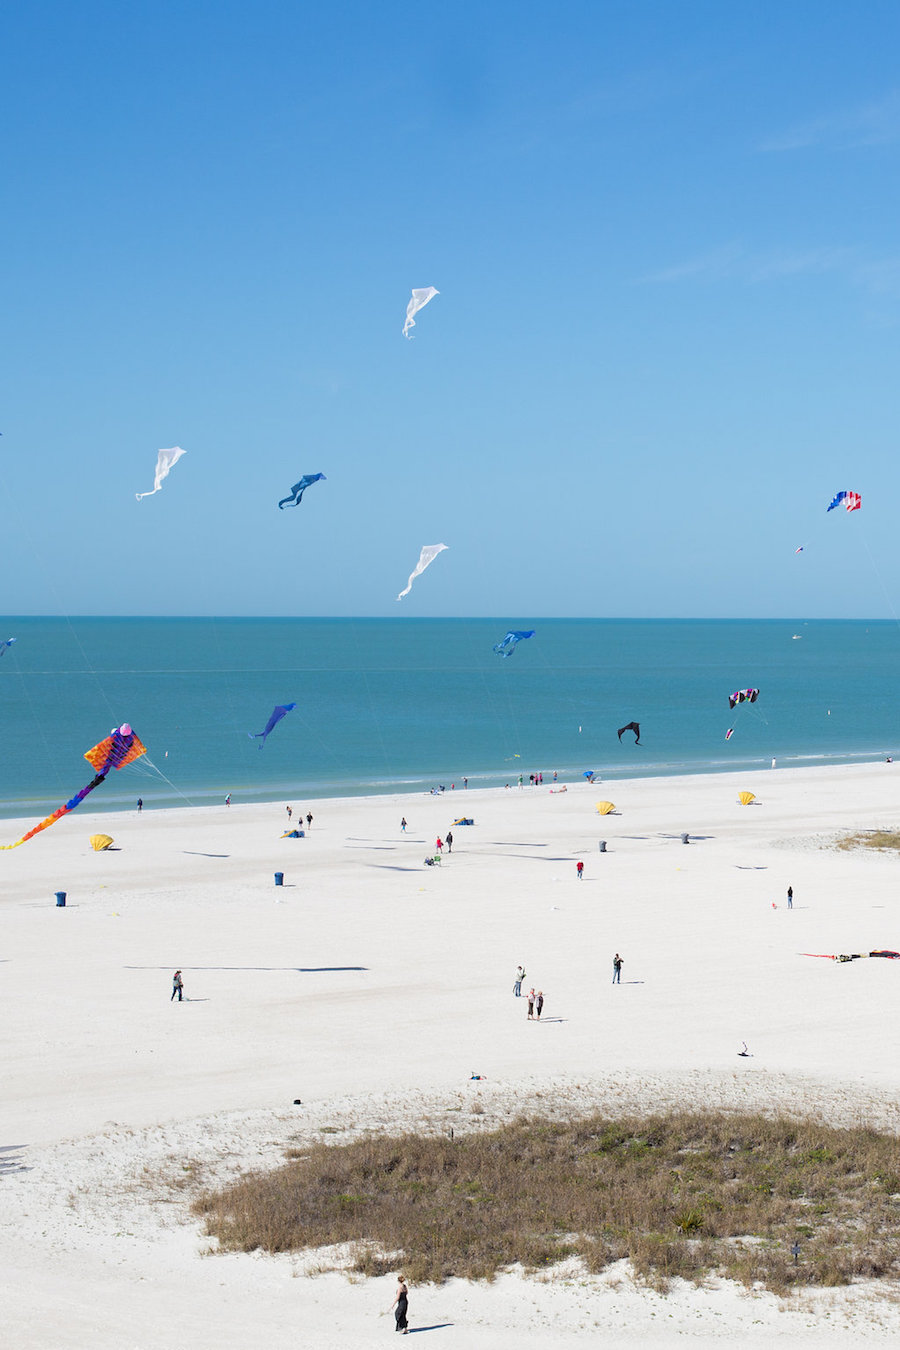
(605, 807)
(100, 841)
(745, 798)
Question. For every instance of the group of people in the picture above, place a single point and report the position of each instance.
(535, 1000)
(439, 842)
(309, 817)
(534, 779)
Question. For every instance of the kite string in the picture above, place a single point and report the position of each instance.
(884, 588)
(145, 759)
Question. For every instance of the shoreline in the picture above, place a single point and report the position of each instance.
(421, 786)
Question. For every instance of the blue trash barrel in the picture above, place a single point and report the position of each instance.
(279, 878)
(60, 899)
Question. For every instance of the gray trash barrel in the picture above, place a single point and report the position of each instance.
(279, 878)
(60, 899)
(685, 838)
(602, 845)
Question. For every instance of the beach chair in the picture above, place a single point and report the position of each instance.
(434, 861)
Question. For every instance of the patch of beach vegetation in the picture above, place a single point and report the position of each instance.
(773, 1203)
(878, 839)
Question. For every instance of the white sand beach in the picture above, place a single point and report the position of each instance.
(371, 988)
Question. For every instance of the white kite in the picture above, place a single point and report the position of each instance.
(165, 460)
(419, 300)
(428, 555)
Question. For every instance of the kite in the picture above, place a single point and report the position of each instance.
(745, 798)
(511, 642)
(119, 748)
(742, 696)
(605, 808)
(8, 643)
(852, 501)
(100, 842)
(418, 300)
(165, 462)
(428, 555)
(799, 550)
(280, 710)
(631, 726)
(297, 491)
(729, 733)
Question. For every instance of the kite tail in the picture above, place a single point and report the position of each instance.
(59, 812)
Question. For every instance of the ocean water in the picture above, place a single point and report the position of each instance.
(386, 705)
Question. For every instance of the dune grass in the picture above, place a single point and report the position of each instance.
(883, 839)
(678, 1195)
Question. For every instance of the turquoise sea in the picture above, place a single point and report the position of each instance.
(386, 705)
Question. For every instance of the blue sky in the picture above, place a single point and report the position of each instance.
(666, 241)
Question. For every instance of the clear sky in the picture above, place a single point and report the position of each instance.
(666, 241)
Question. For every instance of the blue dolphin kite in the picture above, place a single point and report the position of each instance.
(280, 710)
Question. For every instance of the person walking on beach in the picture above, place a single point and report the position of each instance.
(140, 805)
(539, 1005)
(449, 841)
(790, 897)
(579, 868)
(228, 800)
(177, 986)
(309, 820)
(517, 983)
(465, 782)
(439, 844)
(403, 825)
(530, 1005)
(400, 1305)
(289, 813)
(617, 969)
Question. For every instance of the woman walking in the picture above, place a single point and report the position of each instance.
(399, 1305)
(530, 1005)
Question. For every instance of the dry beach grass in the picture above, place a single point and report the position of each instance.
(679, 1194)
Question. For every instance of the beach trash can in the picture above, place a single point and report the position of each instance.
(602, 845)
(279, 878)
(60, 899)
(685, 838)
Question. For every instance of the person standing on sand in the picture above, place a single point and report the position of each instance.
(617, 969)
(400, 1305)
(140, 805)
(449, 841)
(579, 868)
(530, 1005)
(439, 844)
(539, 1005)
(228, 800)
(517, 984)
(403, 825)
(465, 782)
(177, 986)
(790, 897)
(309, 820)
(289, 812)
